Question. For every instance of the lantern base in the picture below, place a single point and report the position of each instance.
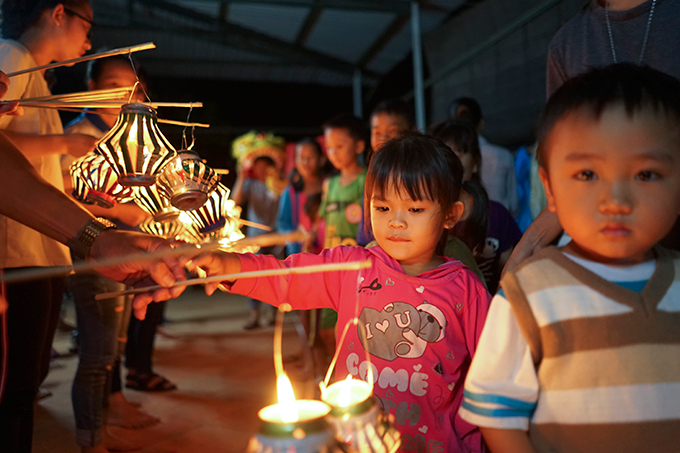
(136, 180)
(100, 199)
(369, 431)
(189, 200)
(165, 216)
(215, 226)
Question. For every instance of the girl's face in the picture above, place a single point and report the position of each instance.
(409, 230)
(469, 166)
(74, 28)
(307, 161)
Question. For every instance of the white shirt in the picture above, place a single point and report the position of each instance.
(498, 175)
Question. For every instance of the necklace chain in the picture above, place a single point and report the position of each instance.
(644, 41)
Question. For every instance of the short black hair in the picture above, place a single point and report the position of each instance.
(466, 110)
(19, 15)
(463, 136)
(635, 87)
(353, 125)
(396, 107)
(418, 165)
(95, 68)
(266, 159)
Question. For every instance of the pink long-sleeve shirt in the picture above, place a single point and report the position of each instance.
(421, 333)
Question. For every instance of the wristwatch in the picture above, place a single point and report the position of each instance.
(82, 243)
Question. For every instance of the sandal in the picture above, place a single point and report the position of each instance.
(149, 382)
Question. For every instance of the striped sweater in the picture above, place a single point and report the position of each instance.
(605, 359)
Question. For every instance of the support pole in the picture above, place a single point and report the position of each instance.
(356, 92)
(418, 89)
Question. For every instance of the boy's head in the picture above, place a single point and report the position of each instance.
(261, 167)
(468, 111)
(345, 137)
(462, 139)
(390, 119)
(609, 156)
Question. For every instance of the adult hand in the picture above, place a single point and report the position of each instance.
(10, 108)
(79, 144)
(128, 213)
(165, 271)
(543, 230)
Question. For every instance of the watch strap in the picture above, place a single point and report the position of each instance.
(82, 243)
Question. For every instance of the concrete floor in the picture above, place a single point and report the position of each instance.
(223, 373)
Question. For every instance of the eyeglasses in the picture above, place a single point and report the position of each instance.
(80, 16)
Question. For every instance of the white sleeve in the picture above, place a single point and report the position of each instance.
(501, 388)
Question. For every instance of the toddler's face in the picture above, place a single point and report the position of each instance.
(614, 182)
(384, 127)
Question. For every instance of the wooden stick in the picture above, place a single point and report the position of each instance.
(329, 267)
(105, 104)
(110, 53)
(259, 226)
(221, 171)
(189, 250)
(108, 93)
(182, 123)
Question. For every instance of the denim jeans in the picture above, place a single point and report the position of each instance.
(98, 324)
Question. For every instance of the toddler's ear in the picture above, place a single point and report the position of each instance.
(543, 173)
(454, 215)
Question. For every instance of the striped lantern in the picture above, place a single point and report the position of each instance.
(135, 147)
(212, 215)
(96, 174)
(187, 181)
(150, 200)
(171, 229)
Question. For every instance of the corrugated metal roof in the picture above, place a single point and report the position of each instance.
(306, 41)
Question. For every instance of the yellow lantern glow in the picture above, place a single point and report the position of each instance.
(135, 147)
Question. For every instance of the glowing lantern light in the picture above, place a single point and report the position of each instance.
(96, 175)
(135, 147)
(187, 181)
(152, 202)
(170, 229)
(212, 216)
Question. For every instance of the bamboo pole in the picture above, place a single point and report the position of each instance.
(94, 94)
(328, 267)
(110, 53)
(105, 104)
(259, 226)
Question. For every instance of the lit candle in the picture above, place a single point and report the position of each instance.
(348, 393)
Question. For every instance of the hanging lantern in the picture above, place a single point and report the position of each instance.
(187, 181)
(79, 185)
(135, 147)
(170, 229)
(155, 204)
(213, 215)
(96, 174)
(357, 420)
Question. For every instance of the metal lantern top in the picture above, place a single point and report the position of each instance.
(187, 181)
(135, 147)
(101, 182)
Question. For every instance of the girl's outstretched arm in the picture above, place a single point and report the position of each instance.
(507, 440)
(217, 263)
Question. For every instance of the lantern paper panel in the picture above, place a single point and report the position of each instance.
(101, 181)
(135, 147)
(79, 185)
(150, 200)
(171, 229)
(187, 181)
(212, 215)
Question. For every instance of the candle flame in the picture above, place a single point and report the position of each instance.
(345, 396)
(132, 136)
(284, 389)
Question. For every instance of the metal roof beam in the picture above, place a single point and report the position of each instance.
(308, 26)
(400, 6)
(247, 38)
(379, 44)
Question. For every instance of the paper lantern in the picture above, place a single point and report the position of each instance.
(150, 200)
(187, 181)
(101, 181)
(212, 215)
(171, 229)
(135, 147)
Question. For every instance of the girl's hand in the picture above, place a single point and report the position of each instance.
(217, 263)
(79, 144)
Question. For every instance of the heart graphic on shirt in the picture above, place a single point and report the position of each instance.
(389, 394)
(420, 289)
(417, 367)
(389, 282)
(350, 346)
(449, 355)
(382, 326)
(423, 429)
(451, 386)
(459, 306)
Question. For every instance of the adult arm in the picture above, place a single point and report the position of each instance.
(543, 230)
(43, 207)
(36, 146)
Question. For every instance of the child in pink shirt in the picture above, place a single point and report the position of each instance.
(421, 313)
